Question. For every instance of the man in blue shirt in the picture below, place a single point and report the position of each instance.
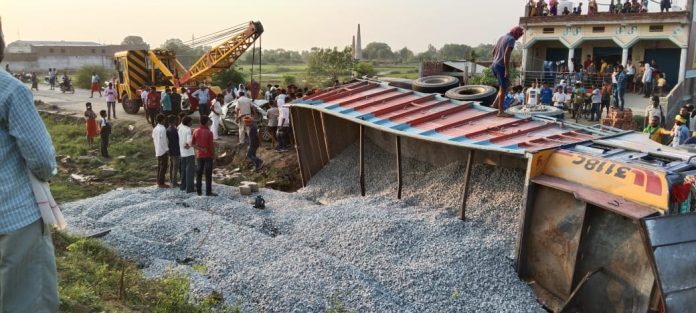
(546, 94)
(620, 86)
(27, 263)
(203, 96)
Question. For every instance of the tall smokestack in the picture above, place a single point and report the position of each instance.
(352, 47)
(358, 46)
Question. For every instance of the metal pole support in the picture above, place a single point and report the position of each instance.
(465, 188)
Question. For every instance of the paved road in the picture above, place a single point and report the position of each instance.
(76, 103)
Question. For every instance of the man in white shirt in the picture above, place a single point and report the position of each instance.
(532, 95)
(143, 98)
(159, 136)
(654, 109)
(630, 73)
(559, 98)
(283, 127)
(111, 95)
(215, 112)
(188, 160)
(647, 80)
(280, 99)
(243, 109)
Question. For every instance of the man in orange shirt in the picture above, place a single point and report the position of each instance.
(153, 105)
(202, 141)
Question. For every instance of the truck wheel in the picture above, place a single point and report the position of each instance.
(435, 83)
(484, 94)
(130, 106)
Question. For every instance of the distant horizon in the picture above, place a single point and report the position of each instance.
(297, 26)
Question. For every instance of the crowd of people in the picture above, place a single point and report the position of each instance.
(563, 8)
(682, 133)
(175, 142)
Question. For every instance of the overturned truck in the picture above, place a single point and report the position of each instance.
(600, 228)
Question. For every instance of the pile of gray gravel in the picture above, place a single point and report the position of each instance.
(326, 243)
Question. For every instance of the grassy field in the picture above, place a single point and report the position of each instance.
(133, 169)
(275, 74)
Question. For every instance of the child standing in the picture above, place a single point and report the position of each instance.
(90, 124)
(661, 84)
(532, 95)
(105, 132)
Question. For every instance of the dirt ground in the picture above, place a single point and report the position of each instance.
(281, 170)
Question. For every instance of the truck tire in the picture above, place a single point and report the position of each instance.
(130, 106)
(435, 83)
(484, 94)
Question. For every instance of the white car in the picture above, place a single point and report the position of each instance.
(229, 118)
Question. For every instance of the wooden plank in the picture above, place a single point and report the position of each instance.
(326, 136)
(465, 188)
(294, 120)
(362, 160)
(318, 137)
(399, 176)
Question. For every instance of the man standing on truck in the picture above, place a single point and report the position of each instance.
(501, 63)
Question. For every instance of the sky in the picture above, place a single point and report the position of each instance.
(288, 24)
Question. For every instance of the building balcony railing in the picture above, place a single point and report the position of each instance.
(555, 79)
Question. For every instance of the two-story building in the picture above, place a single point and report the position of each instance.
(554, 42)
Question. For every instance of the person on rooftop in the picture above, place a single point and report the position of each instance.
(502, 53)
(665, 5)
(553, 8)
(565, 11)
(592, 7)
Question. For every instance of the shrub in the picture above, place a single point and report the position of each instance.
(230, 75)
(83, 77)
(289, 80)
(364, 69)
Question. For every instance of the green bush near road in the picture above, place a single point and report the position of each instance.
(83, 76)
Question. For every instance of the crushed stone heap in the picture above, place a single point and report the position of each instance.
(326, 243)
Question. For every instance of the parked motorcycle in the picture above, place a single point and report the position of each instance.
(66, 86)
(229, 119)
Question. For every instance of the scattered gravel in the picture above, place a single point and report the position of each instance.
(306, 249)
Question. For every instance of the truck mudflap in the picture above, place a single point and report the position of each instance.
(582, 250)
(672, 241)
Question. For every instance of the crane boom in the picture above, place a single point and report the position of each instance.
(223, 55)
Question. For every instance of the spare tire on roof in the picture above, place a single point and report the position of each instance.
(484, 94)
(435, 83)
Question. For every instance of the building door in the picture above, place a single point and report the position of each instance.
(610, 54)
(667, 62)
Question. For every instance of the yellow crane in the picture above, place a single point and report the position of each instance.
(160, 68)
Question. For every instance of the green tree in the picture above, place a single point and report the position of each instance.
(83, 77)
(289, 80)
(330, 62)
(484, 51)
(226, 76)
(487, 77)
(378, 51)
(428, 55)
(134, 41)
(453, 51)
(184, 53)
(363, 68)
(405, 55)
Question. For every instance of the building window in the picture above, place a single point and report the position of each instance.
(103, 51)
(598, 29)
(94, 50)
(50, 50)
(62, 50)
(548, 30)
(656, 28)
